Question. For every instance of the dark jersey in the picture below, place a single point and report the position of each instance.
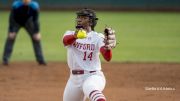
(21, 13)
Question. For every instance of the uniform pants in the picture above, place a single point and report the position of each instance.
(79, 87)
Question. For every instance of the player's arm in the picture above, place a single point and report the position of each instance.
(110, 43)
(69, 39)
(36, 10)
(13, 11)
(36, 22)
(106, 53)
(11, 16)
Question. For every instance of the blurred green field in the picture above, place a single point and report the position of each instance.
(142, 36)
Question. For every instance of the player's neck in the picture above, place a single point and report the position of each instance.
(88, 29)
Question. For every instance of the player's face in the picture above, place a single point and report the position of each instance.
(26, 1)
(83, 21)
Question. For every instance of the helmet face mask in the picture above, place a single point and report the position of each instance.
(89, 13)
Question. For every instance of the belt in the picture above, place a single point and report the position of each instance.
(77, 72)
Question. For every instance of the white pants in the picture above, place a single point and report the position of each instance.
(79, 87)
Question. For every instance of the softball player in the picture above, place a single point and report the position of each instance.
(83, 49)
(24, 13)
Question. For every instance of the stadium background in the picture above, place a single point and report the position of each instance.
(148, 53)
(106, 4)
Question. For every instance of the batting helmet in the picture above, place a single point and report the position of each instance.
(89, 13)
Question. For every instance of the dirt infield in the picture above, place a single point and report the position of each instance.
(125, 82)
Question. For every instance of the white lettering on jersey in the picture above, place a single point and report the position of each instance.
(90, 47)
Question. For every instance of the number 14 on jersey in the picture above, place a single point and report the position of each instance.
(87, 56)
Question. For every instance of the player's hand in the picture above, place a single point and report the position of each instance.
(110, 38)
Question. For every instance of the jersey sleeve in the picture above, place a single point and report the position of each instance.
(68, 33)
(67, 38)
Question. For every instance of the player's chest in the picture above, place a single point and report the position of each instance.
(87, 44)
